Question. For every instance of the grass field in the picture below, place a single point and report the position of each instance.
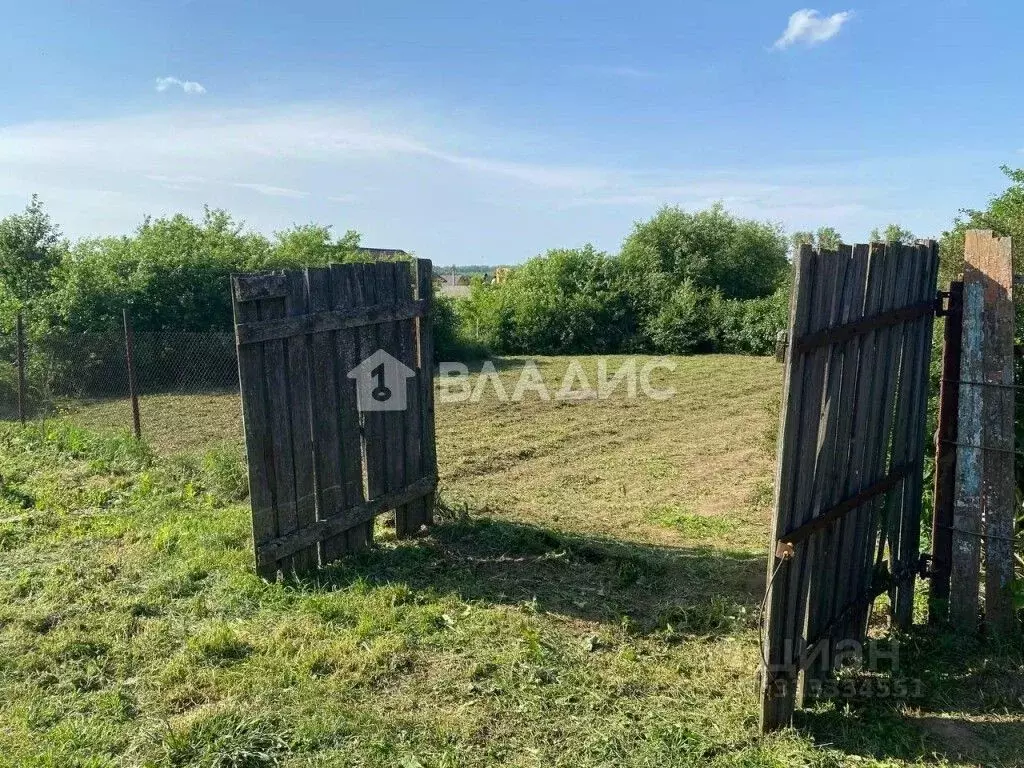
(589, 597)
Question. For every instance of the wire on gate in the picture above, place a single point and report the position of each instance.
(995, 384)
(786, 555)
(978, 534)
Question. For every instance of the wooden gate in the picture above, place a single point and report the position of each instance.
(335, 366)
(849, 476)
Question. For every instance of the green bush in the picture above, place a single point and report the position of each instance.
(568, 300)
(750, 327)
(452, 338)
(690, 321)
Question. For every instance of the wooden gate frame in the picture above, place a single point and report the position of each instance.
(321, 470)
(850, 472)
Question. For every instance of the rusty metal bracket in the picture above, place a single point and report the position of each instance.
(829, 516)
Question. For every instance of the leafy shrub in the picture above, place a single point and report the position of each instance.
(568, 300)
(711, 249)
(452, 338)
(690, 321)
(751, 327)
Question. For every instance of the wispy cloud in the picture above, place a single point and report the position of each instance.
(190, 87)
(807, 26)
(270, 190)
(405, 178)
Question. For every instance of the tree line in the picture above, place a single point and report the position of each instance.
(682, 282)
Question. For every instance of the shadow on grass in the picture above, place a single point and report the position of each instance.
(964, 703)
(693, 591)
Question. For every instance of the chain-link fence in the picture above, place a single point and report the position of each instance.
(184, 384)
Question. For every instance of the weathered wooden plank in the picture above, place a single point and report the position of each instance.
(327, 459)
(281, 547)
(347, 294)
(910, 537)
(374, 431)
(818, 541)
(408, 518)
(990, 258)
(298, 378)
(387, 334)
(813, 442)
(944, 492)
(256, 287)
(275, 365)
(903, 379)
(326, 321)
(869, 545)
(878, 271)
(851, 361)
(778, 676)
(424, 291)
(902, 511)
(257, 436)
(967, 533)
(879, 296)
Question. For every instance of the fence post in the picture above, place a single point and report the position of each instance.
(945, 457)
(129, 350)
(991, 258)
(22, 403)
(985, 441)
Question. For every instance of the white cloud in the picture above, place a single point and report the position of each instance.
(188, 86)
(808, 27)
(402, 178)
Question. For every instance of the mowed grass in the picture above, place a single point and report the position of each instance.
(588, 597)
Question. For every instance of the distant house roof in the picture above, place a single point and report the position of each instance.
(382, 254)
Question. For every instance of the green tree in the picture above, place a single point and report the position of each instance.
(711, 249)
(892, 233)
(800, 238)
(174, 272)
(31, 248)
(313, 245)
(828, 239)
(568, 300)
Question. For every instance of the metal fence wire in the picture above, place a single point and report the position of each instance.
(185, 384)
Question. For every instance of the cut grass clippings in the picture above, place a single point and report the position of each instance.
(588, 598)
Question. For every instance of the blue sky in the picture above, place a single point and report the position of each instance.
(476, 132)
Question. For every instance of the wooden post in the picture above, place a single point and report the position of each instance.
(988, 262)
(129, 351)
(966, 562)
(424, 291)
(22, 403)
(945, 457)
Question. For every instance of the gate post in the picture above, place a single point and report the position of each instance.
(945, 457)
(22, 397)
(985, 438)
(129, 354)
